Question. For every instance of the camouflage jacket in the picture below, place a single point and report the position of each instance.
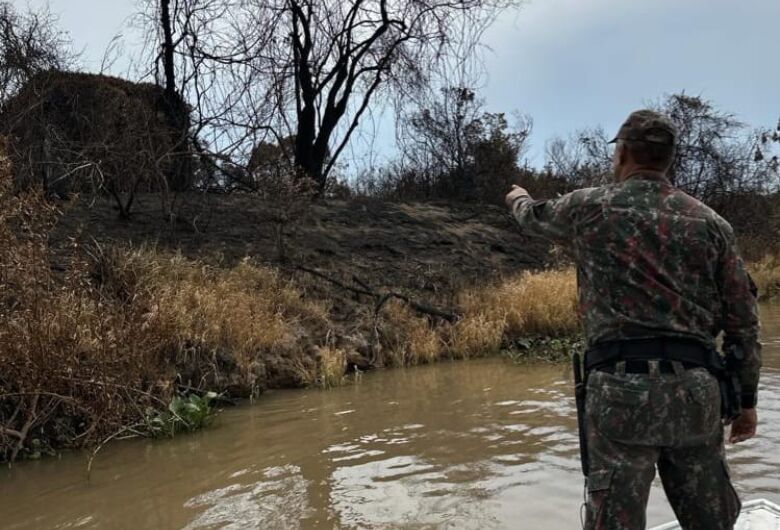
(652, 262)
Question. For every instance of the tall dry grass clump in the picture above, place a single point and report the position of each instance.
(534, 304)
(541, 303)
(529, 306)
(332, 367)
(407, 338)
(225, 328)
(766, 274)
(477, 335)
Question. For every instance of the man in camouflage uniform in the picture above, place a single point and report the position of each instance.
(659, 278)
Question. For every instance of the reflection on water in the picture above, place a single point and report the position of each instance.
(464, 445)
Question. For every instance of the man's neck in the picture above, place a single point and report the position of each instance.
(633, 170)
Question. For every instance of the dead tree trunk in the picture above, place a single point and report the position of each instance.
(168, 49)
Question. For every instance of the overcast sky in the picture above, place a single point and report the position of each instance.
(573, 63)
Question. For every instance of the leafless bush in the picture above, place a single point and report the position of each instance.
(718, 155)
(584, 159)
(30, 43)
(452, 149)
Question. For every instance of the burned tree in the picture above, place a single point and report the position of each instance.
(176, 110)
(168, 48)
(263, 70)
(339, 56)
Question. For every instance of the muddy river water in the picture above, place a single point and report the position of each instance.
(472, 445)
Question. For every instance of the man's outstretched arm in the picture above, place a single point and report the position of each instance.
(552, 219)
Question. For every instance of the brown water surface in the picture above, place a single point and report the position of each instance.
(472, 445)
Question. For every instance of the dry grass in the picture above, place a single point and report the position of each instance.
(87, 355)
(532, 304)
(766, 274)
(222, 325)
(528, 306)
(75, 369)
(407, 339)
(476, 336)
(543, 303)
(331, 368)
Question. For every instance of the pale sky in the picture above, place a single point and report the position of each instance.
(570, 64)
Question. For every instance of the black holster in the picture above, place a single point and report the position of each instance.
(728, 379)
(580, 384)
(730, 397)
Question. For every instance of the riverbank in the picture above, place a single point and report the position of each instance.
(114, 328)
(110, 328)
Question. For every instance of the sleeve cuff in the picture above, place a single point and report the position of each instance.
(749, 400)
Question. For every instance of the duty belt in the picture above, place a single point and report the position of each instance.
(635, 366)
(691, 353)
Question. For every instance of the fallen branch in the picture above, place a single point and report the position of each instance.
(5, 431)
(361, 283)
(22, 435)
(336, 282)
(100, 446)
(417, 306)
(383, 298)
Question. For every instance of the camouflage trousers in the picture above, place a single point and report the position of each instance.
(637, 422)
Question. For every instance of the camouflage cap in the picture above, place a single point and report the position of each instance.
(647, 126)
